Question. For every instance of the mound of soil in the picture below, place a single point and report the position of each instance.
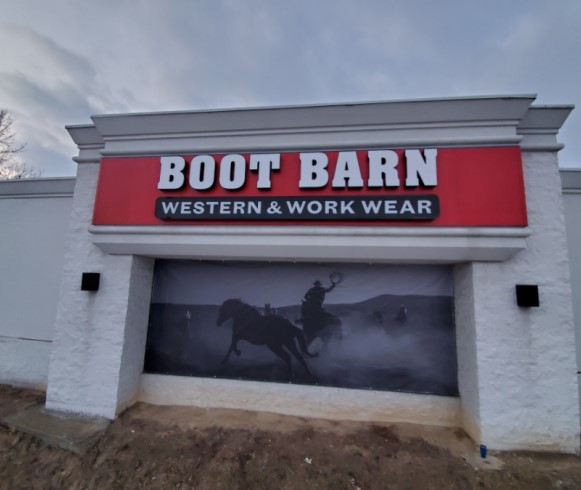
(182, 447)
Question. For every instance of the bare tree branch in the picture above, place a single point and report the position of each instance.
(11, 167)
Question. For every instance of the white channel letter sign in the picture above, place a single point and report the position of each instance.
(420, 169)
(316, 172)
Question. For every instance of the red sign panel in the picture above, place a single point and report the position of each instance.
(432, 187)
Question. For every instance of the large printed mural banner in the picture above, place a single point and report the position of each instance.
(366, 326)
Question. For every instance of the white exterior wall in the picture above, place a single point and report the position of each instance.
(135, 334)
(572, 200)
(301, 400)
(527, 356)
(524, 360)
(466, 349)
(34, 217)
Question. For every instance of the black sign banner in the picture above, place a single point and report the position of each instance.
(400, 207)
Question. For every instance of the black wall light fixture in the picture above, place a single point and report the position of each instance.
(90, 281)
(527, 295)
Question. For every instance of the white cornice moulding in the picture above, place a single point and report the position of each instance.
(571, 180)
(453, 122)
(38, 188)
(317, 243)
(466, 110)
(85, 135)
(507, 120)
(314, 140)
(540, 126)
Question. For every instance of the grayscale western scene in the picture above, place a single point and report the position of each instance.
(365, 326)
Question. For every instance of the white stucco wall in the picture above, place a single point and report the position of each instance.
(135, 334)
(525, 357)
(24, 362)
(466, 349)
(300, 400)
(99, 334)
(34, 217)
(571, 180)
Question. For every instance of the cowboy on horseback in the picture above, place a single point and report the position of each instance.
(315, 319)
(315, 297)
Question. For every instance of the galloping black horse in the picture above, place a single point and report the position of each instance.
(273, 331)
(319, 323)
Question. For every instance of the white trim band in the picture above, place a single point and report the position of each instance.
(322, 243)
(300, 400)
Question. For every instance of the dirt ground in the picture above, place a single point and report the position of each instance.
(181, 447)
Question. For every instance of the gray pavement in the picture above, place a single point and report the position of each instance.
(61, 429)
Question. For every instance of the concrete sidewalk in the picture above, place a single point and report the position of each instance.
(65, 430)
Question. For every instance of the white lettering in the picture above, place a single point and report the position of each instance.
(171, 175)
(313, 170)
(254, 207)
(295, 206)
(225, 207)
(330, 207)
(202, 172)
(198, 207)
(186, 207)
(347, 172)
(371, 206)
(212, 205)
(416, 167)
(382, 169)
(424, 207)
(346, 207)
(314, 207)
(407, 208)
(169, 207)
(232, 172)
(420, 170)
(264, 163)
(238, 207)
(390, 207)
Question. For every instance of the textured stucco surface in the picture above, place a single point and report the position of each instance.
(135, 330)
(90, 331)
(32, 248)
(572, 202)
(306, 401)
(526, 356)
(24, 362)
(466, 349)
(34, 217)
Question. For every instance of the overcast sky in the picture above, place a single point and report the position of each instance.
(63, 60)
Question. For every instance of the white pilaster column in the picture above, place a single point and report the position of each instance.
(467, 349)
(523, 365)
(99, 341)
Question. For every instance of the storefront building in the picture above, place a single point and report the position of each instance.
(393, 261)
